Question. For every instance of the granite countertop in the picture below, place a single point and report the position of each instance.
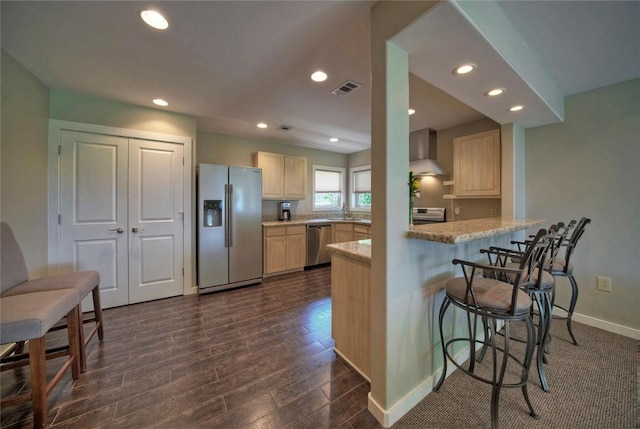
(314, 221)
(359, 250)
(469, 230)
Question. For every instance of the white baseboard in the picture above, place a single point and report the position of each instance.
(387, 417)
(607, 326)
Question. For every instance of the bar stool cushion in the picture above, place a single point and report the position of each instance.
(559, 265)
(83, 282)
(489, 294)
(29, 316)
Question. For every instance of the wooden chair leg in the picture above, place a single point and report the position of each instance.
(76, 346)
(82, 355)
(38, 371)
(97, 309)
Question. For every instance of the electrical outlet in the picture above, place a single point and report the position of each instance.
(604, 284)
(493, 212)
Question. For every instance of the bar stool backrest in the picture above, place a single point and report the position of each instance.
(570, 245)
(14, 269)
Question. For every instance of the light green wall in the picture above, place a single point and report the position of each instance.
(358, 159)
(70, 106)
(238, 151)
(588, 166)
(25, 113)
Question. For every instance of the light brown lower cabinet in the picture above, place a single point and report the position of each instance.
(361, 232)
(342, 232)
(351, 311)
(284, 248)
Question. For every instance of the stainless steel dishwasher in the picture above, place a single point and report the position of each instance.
(318, 236)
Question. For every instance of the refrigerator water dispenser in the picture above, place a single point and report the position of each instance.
(212, 213)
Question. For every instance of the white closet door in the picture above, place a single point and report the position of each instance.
(156, 210)
(93, 208)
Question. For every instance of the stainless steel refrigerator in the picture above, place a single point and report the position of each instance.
(229, 227)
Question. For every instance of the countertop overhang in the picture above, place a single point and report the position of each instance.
(359, 250)
(469, 230)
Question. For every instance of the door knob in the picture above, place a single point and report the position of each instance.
(136, 229)
(118, 230)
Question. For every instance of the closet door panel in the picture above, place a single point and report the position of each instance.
(93, 209)
(156, 210)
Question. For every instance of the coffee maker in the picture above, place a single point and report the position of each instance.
(284, 210)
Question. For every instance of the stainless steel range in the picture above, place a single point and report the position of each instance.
(425, 215)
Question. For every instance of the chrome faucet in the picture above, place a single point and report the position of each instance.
(344, 210)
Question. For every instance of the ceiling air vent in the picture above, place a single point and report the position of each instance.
(346, 88)
(285, 128)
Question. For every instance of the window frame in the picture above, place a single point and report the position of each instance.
(329, 168)
(353, 195)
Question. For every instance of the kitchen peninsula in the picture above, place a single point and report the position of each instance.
(433, 247)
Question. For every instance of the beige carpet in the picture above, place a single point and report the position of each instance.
(593, 385)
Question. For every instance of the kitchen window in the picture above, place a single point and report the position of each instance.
(328, 188)
(361, 188)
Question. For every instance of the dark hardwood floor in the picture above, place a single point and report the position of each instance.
(255, 357)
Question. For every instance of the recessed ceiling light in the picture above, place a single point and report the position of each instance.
(333, 139)
(494, 92)
(516, 108)
(464, 69)
(262, 125)
(319, 76)
(160, 102)
(154, 19)
(412, 111)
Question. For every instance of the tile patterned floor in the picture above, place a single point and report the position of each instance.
(255, 357)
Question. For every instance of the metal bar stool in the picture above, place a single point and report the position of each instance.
(497, 302)
(562, 267)
(541, 289)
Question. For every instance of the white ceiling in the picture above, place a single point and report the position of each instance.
(233, 64)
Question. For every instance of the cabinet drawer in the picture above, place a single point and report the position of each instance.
(275, 232)
(343, 227)
(361, 228)
(295, 230)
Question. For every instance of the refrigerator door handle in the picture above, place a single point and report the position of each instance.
(226, 215)
(230, 218)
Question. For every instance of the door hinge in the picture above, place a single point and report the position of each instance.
(59, 150)
(59, 219)
(182, 272)
(183, 160)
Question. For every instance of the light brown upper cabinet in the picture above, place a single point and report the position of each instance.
(284, 177)
(476, 165)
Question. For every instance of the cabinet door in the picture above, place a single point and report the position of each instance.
(295, 177)
(296, 251)
(275, 255)
(360, 236)
(342, 232)
(476, 165)
(273, 167)
(342, 236)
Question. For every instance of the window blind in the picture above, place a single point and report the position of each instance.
(362, 181)
(328, 181)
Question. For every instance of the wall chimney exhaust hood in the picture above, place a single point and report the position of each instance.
(423, 151)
